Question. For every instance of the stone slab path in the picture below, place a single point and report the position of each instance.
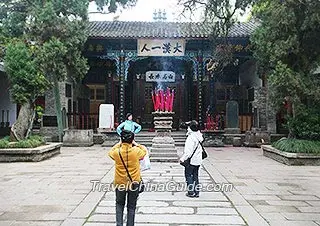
(163, 208)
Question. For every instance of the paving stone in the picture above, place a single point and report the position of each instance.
(109, 224)
(25, 216)
(276, 209)
(102, 218)
(202, 204)
(207, 196)
(159, 196)
(189, 219)
(105, 210)
(55, 216)
(236, 198)
(36, 223)
(163, 210)
(302, 216)
(83, 210)
(109, 203)
(314, 203)
(273, 216)
(299, 197)
(217, 211)
(309, 209)
(5, 223)
(43, 208)
(152, 203)
(291, 223)
(98, 224)
(151, 224)
(258, 202)
(251, 216)
(73, 222)
(209, 224)
(261, 197)
(286, 203)
(303, 192)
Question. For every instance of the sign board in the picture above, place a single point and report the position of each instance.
(106, 116)
(160, 76)
(161, 47)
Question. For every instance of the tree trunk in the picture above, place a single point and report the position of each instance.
(22, 127)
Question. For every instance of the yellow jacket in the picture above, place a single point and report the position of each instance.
(131, 156)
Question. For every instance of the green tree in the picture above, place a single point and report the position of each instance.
(288, 51)
(54, 32)
(219, 17)
(27, 84)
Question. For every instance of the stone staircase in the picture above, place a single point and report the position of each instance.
(162, 151)
(145, 138)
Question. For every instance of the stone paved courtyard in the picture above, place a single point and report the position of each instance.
(58, 191)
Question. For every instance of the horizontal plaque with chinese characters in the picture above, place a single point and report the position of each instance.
(161, 47)
(160, 76)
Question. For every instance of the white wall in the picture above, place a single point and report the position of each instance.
(248, 74)
(5, 102)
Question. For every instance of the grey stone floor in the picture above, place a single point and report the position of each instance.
(58, 191)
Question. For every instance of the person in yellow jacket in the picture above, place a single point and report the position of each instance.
(130, 152)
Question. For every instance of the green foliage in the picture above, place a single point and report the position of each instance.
(297, 146)
(26, 81)
(287, 48)
(44, 41)
(39, 111)
(113, 5)
(57, 30)
(31, 142)
(219, 16)
(289, 32)
(306, 125)
(4, 143)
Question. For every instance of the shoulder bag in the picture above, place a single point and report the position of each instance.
(186, 163)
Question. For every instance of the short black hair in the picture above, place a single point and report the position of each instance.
(194, 125)
(127, 136)
(127, 115)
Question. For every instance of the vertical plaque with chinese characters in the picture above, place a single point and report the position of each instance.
(161, 47)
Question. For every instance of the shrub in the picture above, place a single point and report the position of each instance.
(305, 126)
(31, 142)
(297, 146)
(4, 143)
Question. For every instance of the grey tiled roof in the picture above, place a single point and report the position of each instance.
(126, 29)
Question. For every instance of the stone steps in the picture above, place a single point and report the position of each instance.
(162, 149)
(163, 146)
(163, 159)
(163, 154)
(146, 138)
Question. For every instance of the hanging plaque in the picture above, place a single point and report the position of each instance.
(160, 76)
(161, 47)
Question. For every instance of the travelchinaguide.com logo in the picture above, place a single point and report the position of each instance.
(170, 186)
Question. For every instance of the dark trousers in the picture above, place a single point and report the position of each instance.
(192, 177)
(132, 197)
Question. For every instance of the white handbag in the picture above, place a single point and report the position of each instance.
(145, 163)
